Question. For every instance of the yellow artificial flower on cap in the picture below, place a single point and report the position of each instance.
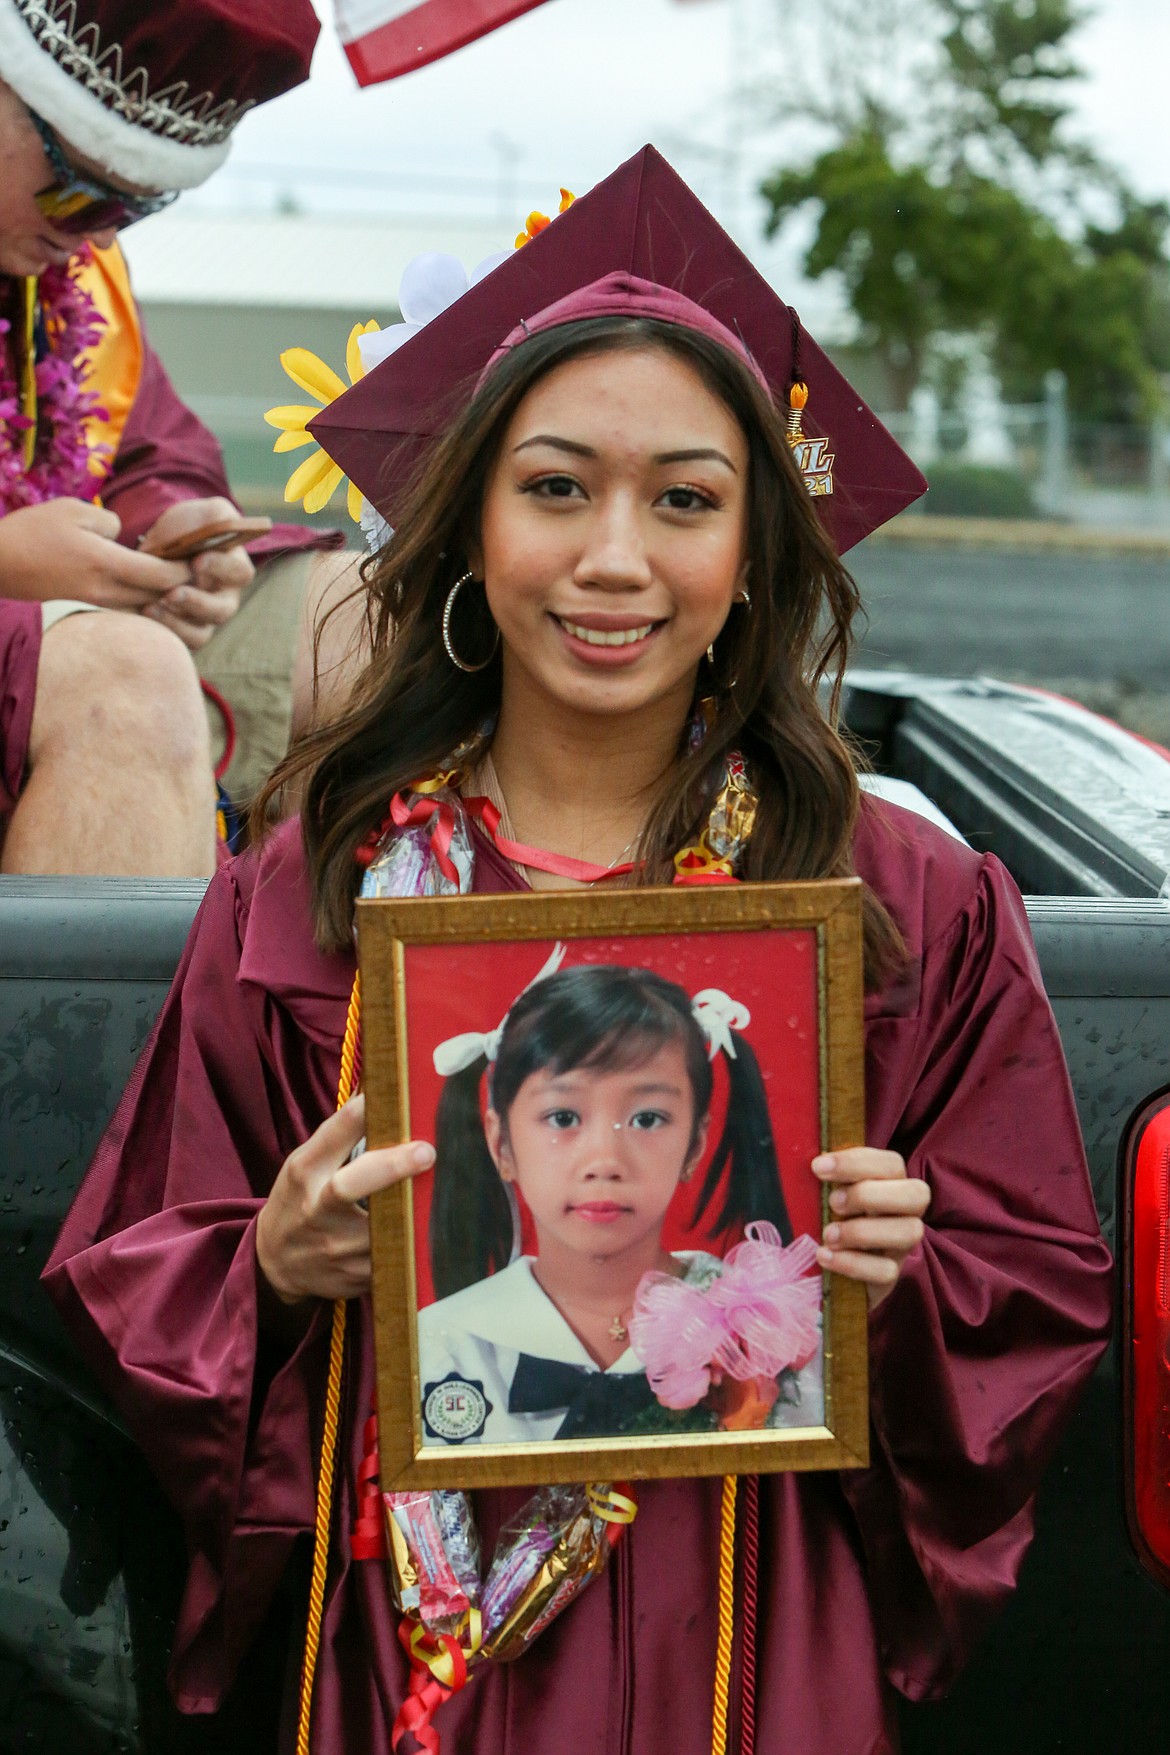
(316, 478)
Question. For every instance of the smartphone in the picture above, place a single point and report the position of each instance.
(223, 533)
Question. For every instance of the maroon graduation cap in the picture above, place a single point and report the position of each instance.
(643, 222)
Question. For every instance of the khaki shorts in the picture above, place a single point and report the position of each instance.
(250, 661)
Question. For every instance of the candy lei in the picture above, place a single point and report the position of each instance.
(44, 406)
(454, 1618)
(423, 846)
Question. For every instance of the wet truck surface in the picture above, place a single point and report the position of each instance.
(91, 1558)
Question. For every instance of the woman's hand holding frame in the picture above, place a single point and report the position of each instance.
(313, 1232)
(877, 1214)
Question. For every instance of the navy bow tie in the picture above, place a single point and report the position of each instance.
(597, 1404)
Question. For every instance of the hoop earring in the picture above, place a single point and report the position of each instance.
(731, 681)
(448, 609)
(744, 596)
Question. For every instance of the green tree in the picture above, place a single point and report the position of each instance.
(969, 209)
(1007, 61)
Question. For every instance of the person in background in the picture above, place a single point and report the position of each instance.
(108, 110)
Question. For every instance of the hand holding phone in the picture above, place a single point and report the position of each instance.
(218, 534)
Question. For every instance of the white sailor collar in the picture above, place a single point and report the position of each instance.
(512, 1310)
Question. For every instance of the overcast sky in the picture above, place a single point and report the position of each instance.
(566, 92)
(570, 89)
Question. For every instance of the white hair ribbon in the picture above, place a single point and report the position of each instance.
(459, 1052)
(717, 1015)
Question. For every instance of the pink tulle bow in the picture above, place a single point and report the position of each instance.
(759, 1318)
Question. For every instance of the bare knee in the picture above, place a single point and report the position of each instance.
(115, 681)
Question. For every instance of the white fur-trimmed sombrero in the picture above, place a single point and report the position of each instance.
(151, 89)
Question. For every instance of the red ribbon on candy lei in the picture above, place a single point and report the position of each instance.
(429, 812)
(439, 813)
(435, 814)
(425, 1693)
(696, 864)
(438, 816)
(367, 1540)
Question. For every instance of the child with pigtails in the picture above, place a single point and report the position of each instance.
(599, 1089)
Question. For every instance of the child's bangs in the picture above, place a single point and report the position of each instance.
(626, 1046)
(600, 1018)
(614, 1021)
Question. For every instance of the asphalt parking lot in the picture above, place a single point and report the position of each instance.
(1092, 623)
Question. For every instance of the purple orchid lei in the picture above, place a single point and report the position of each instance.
(63, 462)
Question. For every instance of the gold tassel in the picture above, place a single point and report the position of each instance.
(813, 458)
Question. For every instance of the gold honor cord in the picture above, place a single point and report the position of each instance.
(726, 1634)
(345, 1086)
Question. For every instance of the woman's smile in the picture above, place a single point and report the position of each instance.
(611, 640)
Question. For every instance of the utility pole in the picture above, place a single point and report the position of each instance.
(508, 156)
(1055, 476)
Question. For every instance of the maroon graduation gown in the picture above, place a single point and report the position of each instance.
(868, 1578)
(20, 652)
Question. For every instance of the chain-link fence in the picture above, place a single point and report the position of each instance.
(1030, 460)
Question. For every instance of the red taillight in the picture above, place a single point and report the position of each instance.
(1147, 1349)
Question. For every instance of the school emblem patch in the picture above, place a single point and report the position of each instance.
(454, 1409)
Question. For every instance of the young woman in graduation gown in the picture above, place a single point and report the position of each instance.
(622, 492)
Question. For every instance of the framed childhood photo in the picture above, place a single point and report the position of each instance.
(610, 1272)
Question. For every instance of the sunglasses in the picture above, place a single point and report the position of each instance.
(76, 204)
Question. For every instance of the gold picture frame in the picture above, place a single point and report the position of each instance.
(822, 921)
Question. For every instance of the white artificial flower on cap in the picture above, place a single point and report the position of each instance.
(431, 283)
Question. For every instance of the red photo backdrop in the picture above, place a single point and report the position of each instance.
(454, 988)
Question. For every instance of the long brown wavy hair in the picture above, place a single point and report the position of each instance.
(410, 708)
